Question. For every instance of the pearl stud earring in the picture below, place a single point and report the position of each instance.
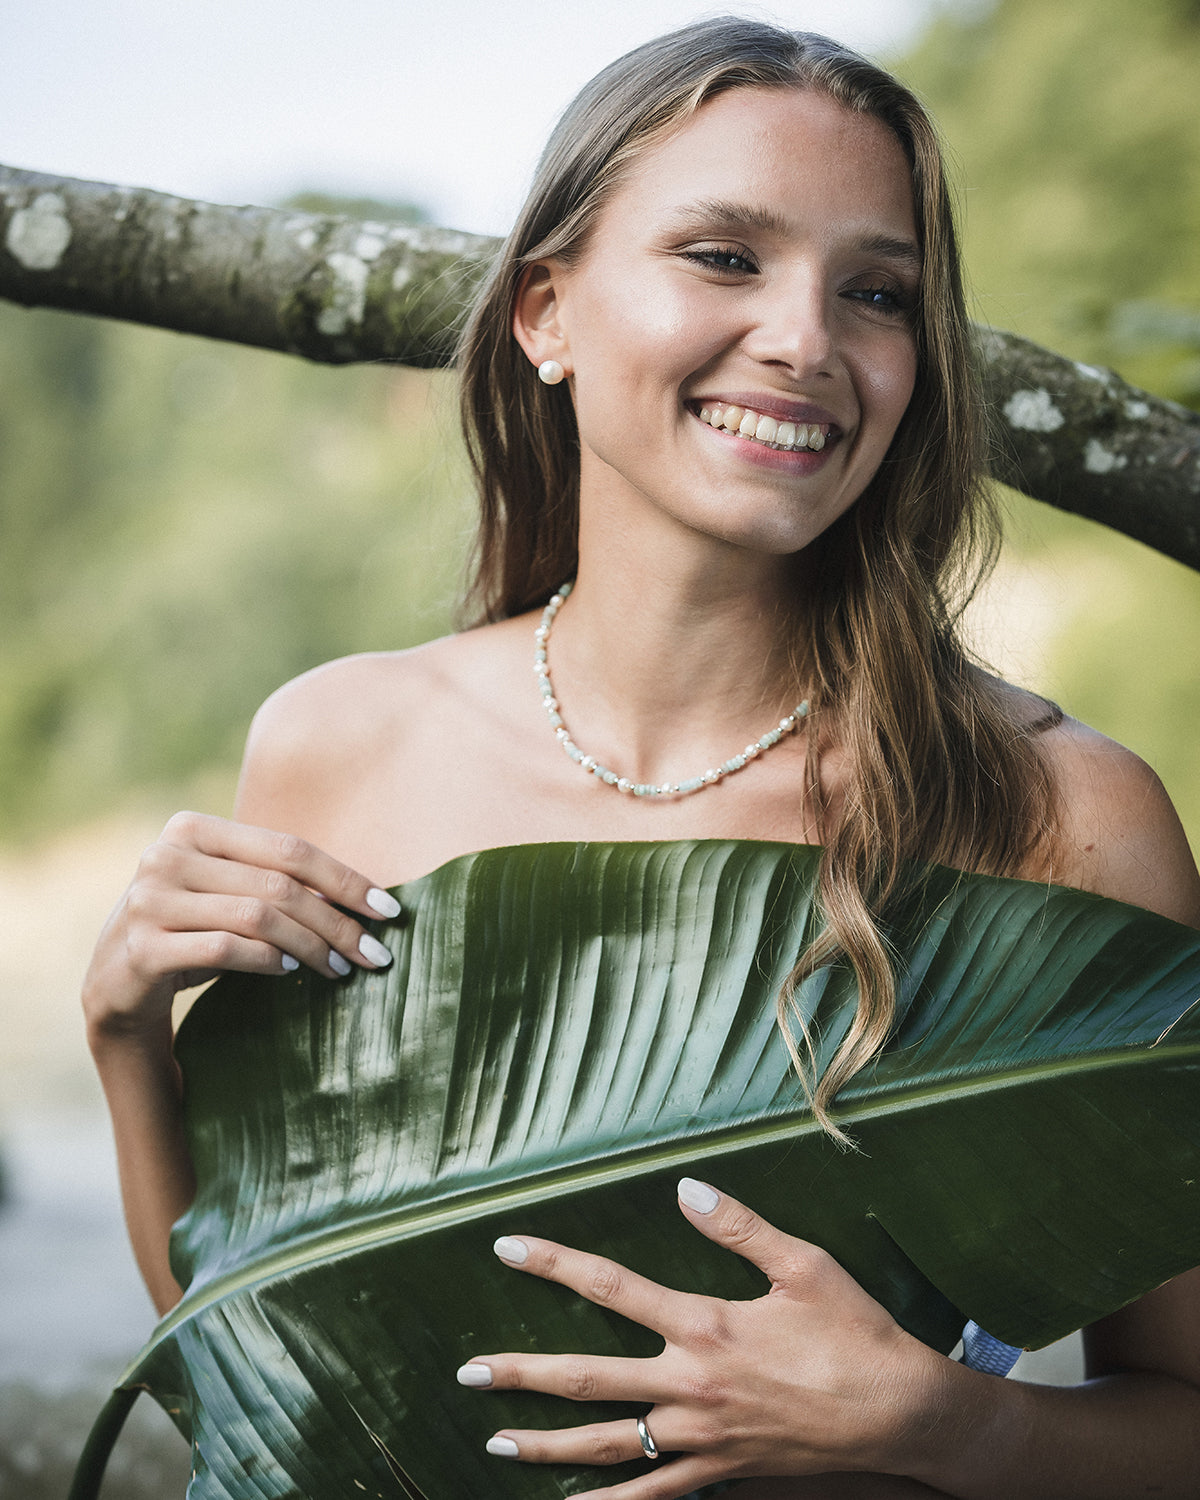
(550, 372)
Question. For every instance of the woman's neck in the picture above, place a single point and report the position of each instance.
(670, 659)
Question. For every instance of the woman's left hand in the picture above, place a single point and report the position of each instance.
(813, 1377)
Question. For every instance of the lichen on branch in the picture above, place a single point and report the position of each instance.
(1082, 439)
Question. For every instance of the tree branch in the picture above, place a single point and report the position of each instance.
(337, 290)
(1082, 439)
(332, 289)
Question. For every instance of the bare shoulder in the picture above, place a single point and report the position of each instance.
(1117, 832)
(363, 756)
(325, 736)
(315, 734)
(323, 710)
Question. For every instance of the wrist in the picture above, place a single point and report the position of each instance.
(112, 1032)
(965, 1414)
(925, 1407)
(119, 1007)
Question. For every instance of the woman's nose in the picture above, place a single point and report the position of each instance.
(794, 329)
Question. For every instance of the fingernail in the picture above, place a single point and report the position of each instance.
(380, 901)
(697, 1196)
(337, 963)
(474, 1374)
(289, 963)
(503, 1447)
(373, 950)
(516, 1251)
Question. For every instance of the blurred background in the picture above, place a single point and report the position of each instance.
(187, 524)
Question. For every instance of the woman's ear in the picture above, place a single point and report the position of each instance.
(536, 323)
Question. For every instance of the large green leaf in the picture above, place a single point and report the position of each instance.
(566, 1029)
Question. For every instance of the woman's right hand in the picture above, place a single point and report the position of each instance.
(211, 895)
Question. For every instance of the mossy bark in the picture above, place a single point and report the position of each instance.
(338, 290)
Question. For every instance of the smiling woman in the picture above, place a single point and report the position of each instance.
(718, 398)
(719, 274)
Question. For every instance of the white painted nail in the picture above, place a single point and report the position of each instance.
(697, 1196)
(289, 963)
(383, 903)
(373, 950)
(474, 1374)
(338, 964)
(503, 1447)
(516, 1251)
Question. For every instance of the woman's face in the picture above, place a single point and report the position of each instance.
(739, 328)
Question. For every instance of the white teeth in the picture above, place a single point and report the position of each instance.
(763, 429)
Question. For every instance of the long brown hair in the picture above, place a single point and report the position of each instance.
(937, 765)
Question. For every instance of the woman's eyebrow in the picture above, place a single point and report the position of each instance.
(709, 215)
(886, 245)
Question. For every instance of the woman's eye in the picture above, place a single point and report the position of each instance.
(887, 299)
(722, 258)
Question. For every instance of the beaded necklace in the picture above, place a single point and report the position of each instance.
(593, 767)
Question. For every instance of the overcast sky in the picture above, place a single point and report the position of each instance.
(446, 103)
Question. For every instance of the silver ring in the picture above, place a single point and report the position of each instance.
(649, 1446)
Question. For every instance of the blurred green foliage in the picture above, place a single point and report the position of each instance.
(187, 524)
(1075, 140)
(1076, 137)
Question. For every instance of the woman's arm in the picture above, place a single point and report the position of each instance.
(209, 895)
(1132, 1429)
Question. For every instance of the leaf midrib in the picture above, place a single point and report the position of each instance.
(407, 1222)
